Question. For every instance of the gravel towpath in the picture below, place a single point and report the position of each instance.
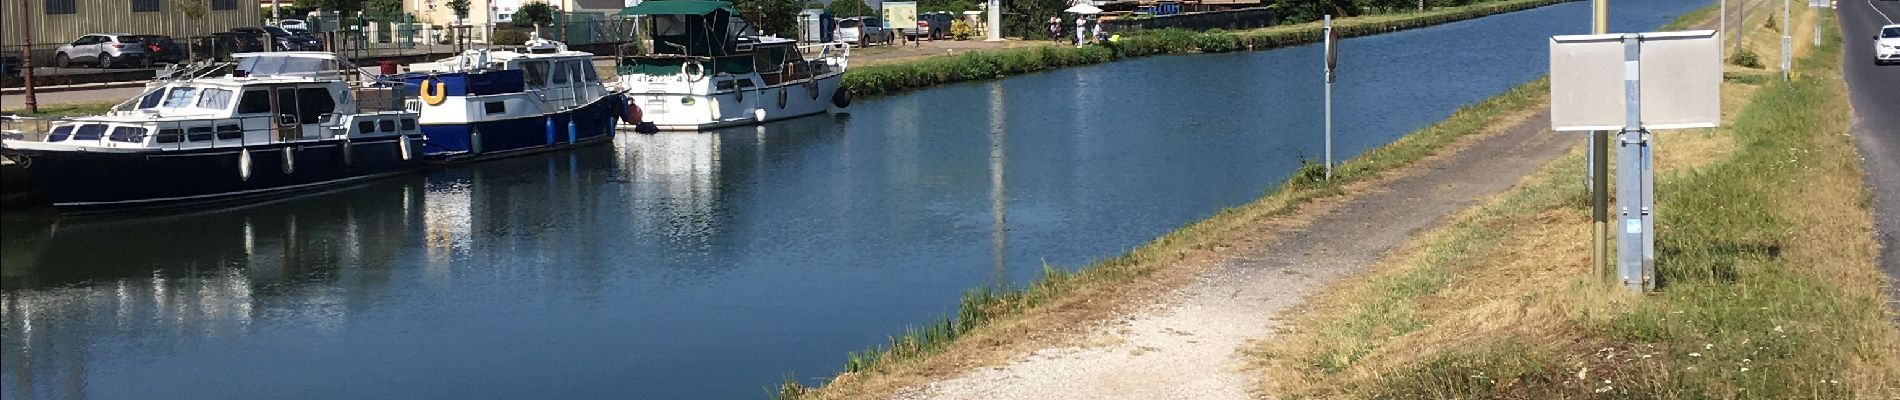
(1187, 345)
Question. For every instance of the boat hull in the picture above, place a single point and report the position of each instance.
(85, 181)
(672, 111)
(481, 140)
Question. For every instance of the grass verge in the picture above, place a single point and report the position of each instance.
(993, 320)
(1766, 257)
(66, 109)
(989, 64)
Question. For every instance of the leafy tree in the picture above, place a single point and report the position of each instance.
(1297, 11)
(849, 8)
(193, 10)
(771, 16)
(536, 13)
(1027, 18)
(952, 6)
(385, 8)
(460, 7)
(341, 7)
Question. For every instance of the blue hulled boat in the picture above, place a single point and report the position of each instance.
(488, 103)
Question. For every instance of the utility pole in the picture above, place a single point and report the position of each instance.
(1721, 33)
(26, 57)
(1600, 169)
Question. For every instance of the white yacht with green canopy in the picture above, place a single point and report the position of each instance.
(710, 68)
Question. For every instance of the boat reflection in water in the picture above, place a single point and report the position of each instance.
(306, 295)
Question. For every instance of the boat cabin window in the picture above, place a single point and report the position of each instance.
(577, 70)
(214, 99)
(169, 136)
(61, 133)
(287, 65)
(128, 134)
(408, 124)
(387, 125)
(313, 103)
(561, 75)
(198, 133)
(179, 97)
(228, 132)
(89, 132)
(254, 102)
(365, 127)
(151, 99)
(537, 73)
(495, 107)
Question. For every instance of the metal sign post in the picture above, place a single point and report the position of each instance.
(1332, 61)
(1787, 42)
(1669, 80)
(1635, 262)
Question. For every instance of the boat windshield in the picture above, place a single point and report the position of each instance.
(281, 65)
(186, 97)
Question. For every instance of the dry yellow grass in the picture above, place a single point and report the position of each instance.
(1505, 290)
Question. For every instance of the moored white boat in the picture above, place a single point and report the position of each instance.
(278, 122)
(711, 69)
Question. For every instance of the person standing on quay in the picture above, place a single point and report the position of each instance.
(1081, 30)
(1055, 28)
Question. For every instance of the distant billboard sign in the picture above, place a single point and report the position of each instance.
(1680, 78)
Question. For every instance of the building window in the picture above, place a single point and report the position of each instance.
(144, 5)
(56, 7)
(224, 4)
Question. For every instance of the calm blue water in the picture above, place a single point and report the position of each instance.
(710, 265)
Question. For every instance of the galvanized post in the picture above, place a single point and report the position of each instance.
(1787, 42)
(1721, 33)
(1327, 61)
(1599, 171)
(1634, 262)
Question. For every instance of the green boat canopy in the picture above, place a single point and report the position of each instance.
(677, 7)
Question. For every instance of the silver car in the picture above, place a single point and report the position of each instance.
(864, 31)
(102, 50)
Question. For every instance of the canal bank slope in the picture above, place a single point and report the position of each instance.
(1167, 320)
(1765, 256)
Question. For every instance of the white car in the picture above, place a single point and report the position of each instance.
(1887, 45)
(864, 31)
(102, 50)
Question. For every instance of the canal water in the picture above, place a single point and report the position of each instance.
(710, 265)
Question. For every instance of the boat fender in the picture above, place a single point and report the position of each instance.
(434, 92)
(781, 97)
(573, 132)
(346, 152)
(740, 93)
(758, 114)
(811, 88)
(290, 161)
(244, 164)
(550, 130)
(631, 114)
(402, 145)
(694, 71)
(841, 98)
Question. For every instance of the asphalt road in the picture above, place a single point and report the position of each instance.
(1875, 91)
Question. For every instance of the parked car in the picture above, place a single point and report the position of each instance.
(222, 45)
(864, 31)
(293, 25)
(9, 65)
(161, 48)
(1887, 45)
(102, 50)
(932, 26)
(283, 40)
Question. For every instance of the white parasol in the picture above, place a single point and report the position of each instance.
(1084, 9)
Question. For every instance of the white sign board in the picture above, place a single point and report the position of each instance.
(1679, 75)
(1820, 3)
